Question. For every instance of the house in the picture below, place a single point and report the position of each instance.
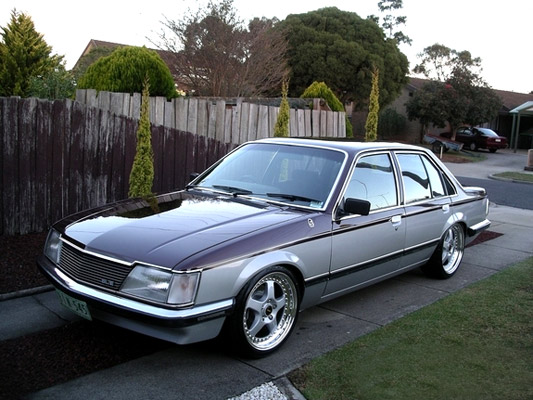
(502, 124)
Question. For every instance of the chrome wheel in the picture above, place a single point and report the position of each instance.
(453, 244)
(448, 255)
(270, 311)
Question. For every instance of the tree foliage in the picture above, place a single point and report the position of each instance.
(371, 125)
(319, 90)
(56, 84)
(458, 95)
(392, 22)
(24, 55)
(341, 49)
(142, 171)
(281, 129)
(216, 55)
(125, 69)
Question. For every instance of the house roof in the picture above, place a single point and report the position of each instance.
(167, 56)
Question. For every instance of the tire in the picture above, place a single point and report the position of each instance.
(473, 146)
(436, 146)
(266, 312)
(448, 255)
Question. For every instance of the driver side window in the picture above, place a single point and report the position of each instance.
(373, 180)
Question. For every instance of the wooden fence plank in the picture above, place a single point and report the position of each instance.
(263, 129)
(196, 116)
(220, 120)
(245, 116)
(43, 178)
(192, 117)
(10, 173)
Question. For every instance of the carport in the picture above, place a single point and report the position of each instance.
(525, 109)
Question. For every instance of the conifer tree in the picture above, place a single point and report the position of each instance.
(142, 172)
(24, 55)
(281, 129)
(371, 126)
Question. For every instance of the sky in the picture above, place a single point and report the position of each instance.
(499, 32)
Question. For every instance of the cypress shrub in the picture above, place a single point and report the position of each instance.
(371, 126)
(142, 171)
(281, 129)
(125, 69)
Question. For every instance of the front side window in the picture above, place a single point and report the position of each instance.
(373, 180)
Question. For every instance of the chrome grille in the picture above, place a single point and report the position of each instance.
(91, 269)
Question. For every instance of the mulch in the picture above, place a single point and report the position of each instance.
(18, 255)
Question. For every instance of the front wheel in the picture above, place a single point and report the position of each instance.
(448, 255)
(266, 312)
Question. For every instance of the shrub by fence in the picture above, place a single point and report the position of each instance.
(230, 121)
(60, 157)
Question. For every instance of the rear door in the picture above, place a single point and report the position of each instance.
(426, 198)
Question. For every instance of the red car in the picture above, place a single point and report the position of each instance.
(479, 138)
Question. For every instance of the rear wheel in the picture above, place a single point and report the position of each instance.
(266, 312)
(448, 255)
(473, 146)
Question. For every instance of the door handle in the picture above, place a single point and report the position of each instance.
(396, 221)
(445, 208)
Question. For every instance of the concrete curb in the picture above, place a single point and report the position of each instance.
(499, 178)
(26, 292)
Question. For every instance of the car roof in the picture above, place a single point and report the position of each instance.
(347, 145)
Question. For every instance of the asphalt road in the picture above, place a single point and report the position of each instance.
(512, 194)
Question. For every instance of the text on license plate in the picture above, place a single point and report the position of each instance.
(498, 140)
(77, 306)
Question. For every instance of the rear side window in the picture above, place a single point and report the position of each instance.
(421, 179)
(415, 178)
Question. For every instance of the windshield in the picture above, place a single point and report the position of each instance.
(292, 174)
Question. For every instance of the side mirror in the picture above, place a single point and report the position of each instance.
(356, 206)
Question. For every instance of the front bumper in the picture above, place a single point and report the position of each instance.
(181, 326)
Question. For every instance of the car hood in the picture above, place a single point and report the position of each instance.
(171, 229)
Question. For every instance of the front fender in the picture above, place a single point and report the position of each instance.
(225, 281)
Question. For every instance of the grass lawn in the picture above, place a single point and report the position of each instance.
(474, 344)
(518, 176)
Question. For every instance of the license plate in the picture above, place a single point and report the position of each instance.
(498, 140)
(77, 306)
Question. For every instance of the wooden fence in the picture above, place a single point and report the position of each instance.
(230, 121)
(60, 157)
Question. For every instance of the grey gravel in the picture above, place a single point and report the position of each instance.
(267, 391)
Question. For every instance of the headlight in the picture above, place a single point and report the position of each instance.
(160, 285)
(52, 247)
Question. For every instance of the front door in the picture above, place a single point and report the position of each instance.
(368, 247)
